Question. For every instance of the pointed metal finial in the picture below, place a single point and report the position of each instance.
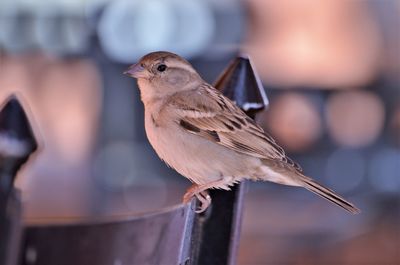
(17, 141)
(240, 82)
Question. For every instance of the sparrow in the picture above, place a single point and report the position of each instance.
(206, 138)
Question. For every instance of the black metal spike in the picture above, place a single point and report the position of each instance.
(219, 229)
(240, 82)
(17, 141)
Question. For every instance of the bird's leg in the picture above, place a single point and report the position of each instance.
(201, 194)
(205, 201)
(200, 191)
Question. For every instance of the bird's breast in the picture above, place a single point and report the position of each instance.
(194, 157)
(171, 146)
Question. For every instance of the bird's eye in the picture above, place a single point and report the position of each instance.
(161, 68)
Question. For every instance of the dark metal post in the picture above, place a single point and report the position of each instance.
(17, 142)
(218, 230)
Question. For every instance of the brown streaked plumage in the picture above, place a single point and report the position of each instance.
(206, 137)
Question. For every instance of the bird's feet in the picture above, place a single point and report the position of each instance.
(201, 194)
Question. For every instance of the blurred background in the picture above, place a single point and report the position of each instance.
(331, 70)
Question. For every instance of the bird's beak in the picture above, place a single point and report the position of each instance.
(136, 71)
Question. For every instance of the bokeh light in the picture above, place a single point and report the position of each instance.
(345, 170)
(384, 170)
(311, 43)
(355, 118)
(294, 120)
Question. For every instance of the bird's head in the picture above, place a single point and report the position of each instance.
(162, 73)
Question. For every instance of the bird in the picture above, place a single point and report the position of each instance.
(206, 137)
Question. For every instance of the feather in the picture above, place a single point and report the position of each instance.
(279, 172)
(328, 194)
(217, 118)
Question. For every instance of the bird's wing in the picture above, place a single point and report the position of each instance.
(204, 111)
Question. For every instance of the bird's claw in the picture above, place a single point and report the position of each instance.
(203, 197)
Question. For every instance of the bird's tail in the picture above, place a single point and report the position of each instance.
(282, 174)
(328, 194)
